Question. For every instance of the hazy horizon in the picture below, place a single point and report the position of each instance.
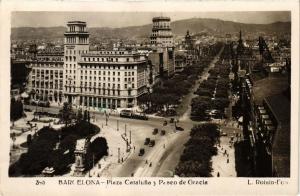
(126, 19)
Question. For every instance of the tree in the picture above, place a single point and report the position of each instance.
(88, 116)
(66, 113)
(13, 137)
(29, 139)
(16, 109)
(85, 115)
(195, 160)
(79, 116)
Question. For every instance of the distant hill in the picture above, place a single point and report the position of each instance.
(194, 25)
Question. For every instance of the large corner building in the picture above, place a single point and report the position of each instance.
(93, 79)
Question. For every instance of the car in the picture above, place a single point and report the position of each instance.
(179, 128)
(126, 113)
(223, 134)
(155, 131)
(147, 140)
(151, 143)
(162, 132)
(165, 123)
(142, 152)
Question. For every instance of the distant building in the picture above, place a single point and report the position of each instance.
(163, 58)
(161, 32)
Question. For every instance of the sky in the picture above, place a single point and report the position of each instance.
(122, 19)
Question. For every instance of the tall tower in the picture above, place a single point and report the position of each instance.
(162, 40)
(76, 43)
(161, 32)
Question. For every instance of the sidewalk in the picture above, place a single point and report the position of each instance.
(219, 162)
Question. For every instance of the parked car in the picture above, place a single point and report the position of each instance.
(147, 140)
(142, 152)
(155, 131)
(172, 120)
(162, 132)
(151, 143)
(179, 128)
(165, 123)
(126, 113)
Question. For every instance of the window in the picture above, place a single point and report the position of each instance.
(125, 85)
(127, 59)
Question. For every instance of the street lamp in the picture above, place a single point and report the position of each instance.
(117, 125)
(106, 118)
(118, 155)
(125, 130)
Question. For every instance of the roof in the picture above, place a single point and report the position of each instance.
(281, 151)
(269, 86)
(280, 107)
(160, 18)
(76, 22)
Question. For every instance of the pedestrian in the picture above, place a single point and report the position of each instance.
(150, 165)
(146, 161)
(227, 160)
(218, 174)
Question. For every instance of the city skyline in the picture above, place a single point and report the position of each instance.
(125, 19)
